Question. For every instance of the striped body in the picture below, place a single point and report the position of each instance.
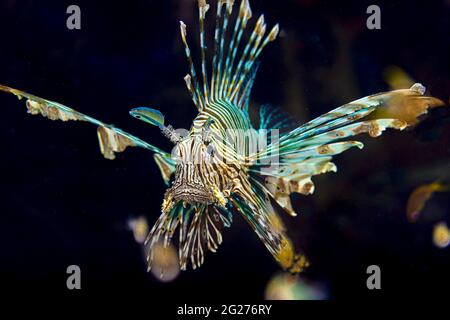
(204, 169)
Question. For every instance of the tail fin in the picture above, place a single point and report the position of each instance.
(231, 79)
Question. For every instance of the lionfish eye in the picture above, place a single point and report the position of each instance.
(206, 135)
(210, 150)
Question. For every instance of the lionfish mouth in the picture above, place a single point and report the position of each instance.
(192, 195)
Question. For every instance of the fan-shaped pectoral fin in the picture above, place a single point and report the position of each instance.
(168, 202)
(270, 229)
(166, 165)
(288, 259)
(112, 140)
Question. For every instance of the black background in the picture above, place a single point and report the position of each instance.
(62, 203)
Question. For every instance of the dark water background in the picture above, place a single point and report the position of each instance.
(61, 203)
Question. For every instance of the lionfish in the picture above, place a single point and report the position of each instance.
(213, 171)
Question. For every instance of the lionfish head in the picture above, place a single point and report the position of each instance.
(196, 177)
(191, 183)
(197, 171)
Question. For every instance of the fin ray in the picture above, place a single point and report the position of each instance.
(229, 81)
(111, 139)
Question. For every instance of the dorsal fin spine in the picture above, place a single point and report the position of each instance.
(260, 30)
(249, 65)
(216, 50)
(223, 31)
(273, 34)
(188, 81)
(253, 37)
(231, 78)
(229, 55)
(198, 97)
(203, 9)
(245, 97)
(244, 16)
(222, 51)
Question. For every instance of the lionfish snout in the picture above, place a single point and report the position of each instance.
(189, 185)
(192, 194)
